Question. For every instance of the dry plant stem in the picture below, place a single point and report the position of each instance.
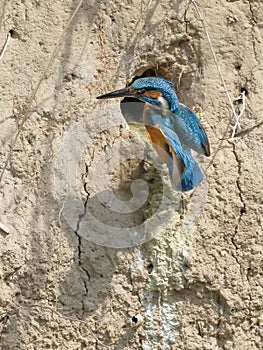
(237, 117)
(222, 80)
(5, 45)
(217, 64)
(243, 97)
(247, 131)
(29, 104)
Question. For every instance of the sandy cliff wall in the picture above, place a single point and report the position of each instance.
(196, 282)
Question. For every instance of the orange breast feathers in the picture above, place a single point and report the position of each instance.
(165, 151)
(159, 142)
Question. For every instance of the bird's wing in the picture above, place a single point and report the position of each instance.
(188, 119)
(184, 172)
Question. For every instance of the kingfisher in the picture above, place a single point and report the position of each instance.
(172, 126)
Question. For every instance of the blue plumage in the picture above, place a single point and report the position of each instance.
(184, 171)
(170, 123)
(178, 117)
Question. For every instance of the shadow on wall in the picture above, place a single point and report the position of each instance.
(88, 283)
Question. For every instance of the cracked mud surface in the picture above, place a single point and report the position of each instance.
(193, 286)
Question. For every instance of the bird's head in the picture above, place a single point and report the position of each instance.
(154, 90)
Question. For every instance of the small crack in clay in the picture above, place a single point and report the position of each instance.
(81, 216)
(79, 255)
(243, 208)
(243, 205)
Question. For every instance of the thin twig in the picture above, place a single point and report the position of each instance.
(217, 64)
(9, 35)
(243, 97)
(247, 131)
(28, 106)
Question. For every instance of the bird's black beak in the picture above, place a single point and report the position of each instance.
(126, 92)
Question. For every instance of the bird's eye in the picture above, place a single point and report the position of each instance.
(141, 91)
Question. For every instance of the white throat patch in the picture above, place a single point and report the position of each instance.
(164, 103)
